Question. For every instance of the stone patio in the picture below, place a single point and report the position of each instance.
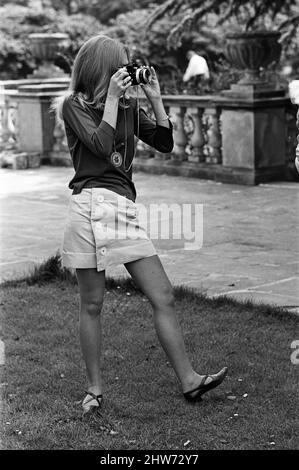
(250, 233)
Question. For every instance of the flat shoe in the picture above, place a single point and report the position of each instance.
(196, 393)
(93, 403)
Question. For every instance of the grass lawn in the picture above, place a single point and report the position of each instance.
(43, 381)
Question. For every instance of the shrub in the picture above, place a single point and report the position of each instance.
(19, 21)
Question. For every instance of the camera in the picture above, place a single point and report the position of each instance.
(140, 74)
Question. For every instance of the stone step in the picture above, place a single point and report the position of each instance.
(19, 160)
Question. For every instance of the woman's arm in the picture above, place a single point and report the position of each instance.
(119, 82)
(99, 139)
(160, 113)
(151, 132)
(153, 93)
(156, 134)
(111, 111)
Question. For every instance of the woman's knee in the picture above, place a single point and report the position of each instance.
(91, 307)
(163, 299)
(91, 287)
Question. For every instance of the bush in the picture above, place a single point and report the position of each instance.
(206, 37)
(79, 28)
(19, 21)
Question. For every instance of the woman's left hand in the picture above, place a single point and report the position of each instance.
(152, 89)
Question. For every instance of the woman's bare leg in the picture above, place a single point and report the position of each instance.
(91, 287)
(149, 275)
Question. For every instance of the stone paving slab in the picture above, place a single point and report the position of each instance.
(250, 234)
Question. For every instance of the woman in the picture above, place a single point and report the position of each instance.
(100, 122)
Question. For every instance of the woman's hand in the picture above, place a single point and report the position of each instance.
(152, 89)
(119, 83)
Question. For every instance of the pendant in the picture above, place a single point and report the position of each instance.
(116, 158)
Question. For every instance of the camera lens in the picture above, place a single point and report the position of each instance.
(143, 75)
(146, 75)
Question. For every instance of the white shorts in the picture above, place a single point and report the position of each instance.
(102, 229)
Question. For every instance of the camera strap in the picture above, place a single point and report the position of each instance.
(116, 156)
(126, 135)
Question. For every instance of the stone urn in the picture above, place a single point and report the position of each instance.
(45, 46)
(249, 52)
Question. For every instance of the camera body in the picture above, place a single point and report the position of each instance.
(140, 74)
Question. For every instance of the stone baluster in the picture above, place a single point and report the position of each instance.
(8, 122)
(60, 143)
(179, 135)
(60, 152)
(214, 142)
(10, 153)
(4, 133)
(13, 124)
(159, 156)
(197, 139)
(291, 135)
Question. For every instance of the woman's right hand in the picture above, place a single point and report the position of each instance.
(119, 83)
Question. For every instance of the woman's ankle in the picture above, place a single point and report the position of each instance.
(96, 389)
(190, 381)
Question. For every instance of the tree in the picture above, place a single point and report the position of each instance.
(102, 10)
(249, 13)
(151, 47)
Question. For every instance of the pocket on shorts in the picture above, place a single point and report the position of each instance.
(83, 197)
(79, 206)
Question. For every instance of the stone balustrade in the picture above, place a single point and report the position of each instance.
(216, 137)
(197, 130)
(198, 139)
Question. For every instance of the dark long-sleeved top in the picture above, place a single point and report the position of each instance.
(92, 142)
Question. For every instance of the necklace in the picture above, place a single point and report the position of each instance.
(116, 156)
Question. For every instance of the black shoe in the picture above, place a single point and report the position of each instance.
(196, 393)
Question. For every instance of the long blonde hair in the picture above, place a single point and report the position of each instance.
(97, 59)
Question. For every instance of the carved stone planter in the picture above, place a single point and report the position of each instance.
(250, 52)
(44, 47)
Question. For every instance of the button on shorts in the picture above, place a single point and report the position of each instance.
(102, 229)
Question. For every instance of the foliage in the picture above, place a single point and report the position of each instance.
(19, 21)
(250, 15)
(80, 20)
(150, 47)
(169, 58)
(79, 28)
(170, 63)
(101, 10)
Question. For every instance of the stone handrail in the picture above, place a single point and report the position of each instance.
(201, 131)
